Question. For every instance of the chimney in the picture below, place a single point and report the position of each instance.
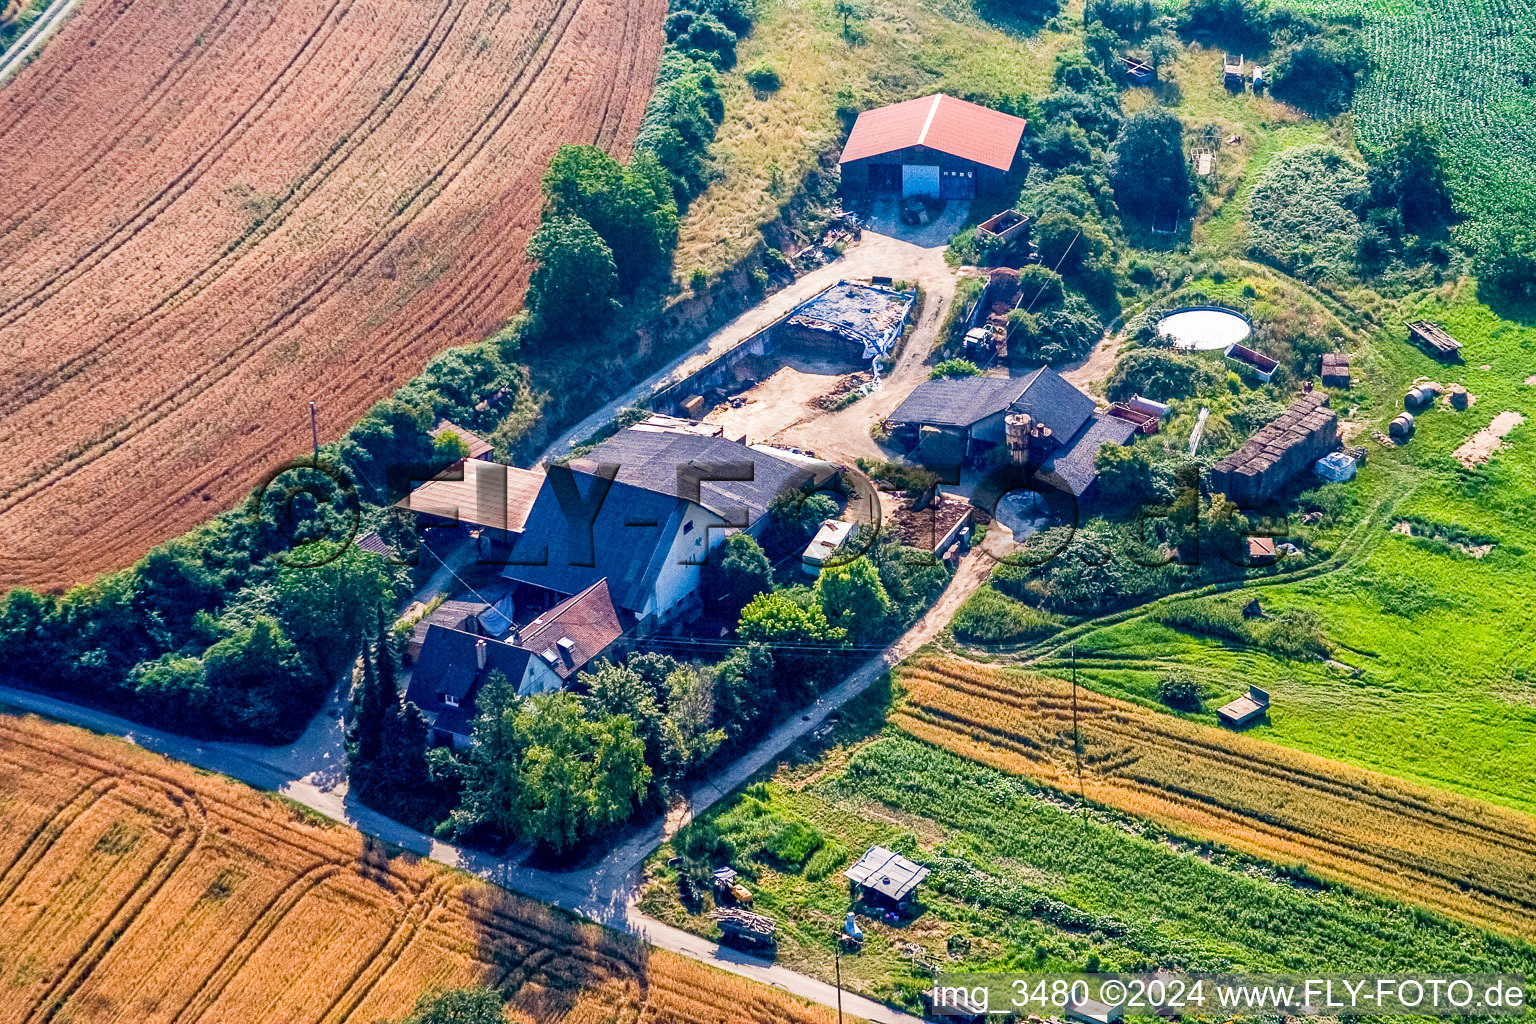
(480, 651)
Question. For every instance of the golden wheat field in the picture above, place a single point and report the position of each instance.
(1464, 858)
(137, 890)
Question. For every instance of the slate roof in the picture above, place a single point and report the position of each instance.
(1073, 468)
(965, 401)
(679, 465)
(448, 665)
(588, 620)
(961, 129)
(626, 542)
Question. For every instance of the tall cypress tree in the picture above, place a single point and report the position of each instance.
(370, 709)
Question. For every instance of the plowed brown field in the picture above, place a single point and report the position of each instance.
(133, 889)
(1464, 858)
(213, 211)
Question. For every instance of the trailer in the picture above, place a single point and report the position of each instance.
(744, 927)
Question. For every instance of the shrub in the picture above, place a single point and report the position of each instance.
(1157, 374)
(830, 857)
(1179, 694)
(954, 368)
(991, 617)
(793, 844)
(763, 77)
(1306, 213)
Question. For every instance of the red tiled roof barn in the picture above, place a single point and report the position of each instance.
(937, 146)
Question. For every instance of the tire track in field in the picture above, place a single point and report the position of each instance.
(370, 248)
(49, 832)
(323, 290)
(131, 903)
(372, 970)
(154, 95)
(1448, 884)
(312, 45)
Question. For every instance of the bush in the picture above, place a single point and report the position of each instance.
(793, 844)
(830, 857)
(1147, 165)
(1162, 376)
(954, 368)
(763, 77)
(1306, 213)
(1179, 694)
(990, 617)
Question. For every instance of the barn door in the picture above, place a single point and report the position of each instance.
(957, 185)
(919, 180)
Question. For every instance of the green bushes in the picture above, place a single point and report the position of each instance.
(954, 368)
(1306, 213)
(990, 617)
(793, 844)
(1295, 634)
(1158, 374)
(1179, 694)
(763, 77)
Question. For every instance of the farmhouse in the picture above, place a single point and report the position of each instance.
(885, 876)
(1043, 420)
(936, 146)
(455, 661)
(1271, 458)
(643, 510)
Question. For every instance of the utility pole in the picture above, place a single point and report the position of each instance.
(314, 433)
(837, 961)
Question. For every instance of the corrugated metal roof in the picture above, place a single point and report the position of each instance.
(961, 129)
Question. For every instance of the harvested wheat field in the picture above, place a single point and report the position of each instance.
(213, 211)
(1466, 859)
(135, 889)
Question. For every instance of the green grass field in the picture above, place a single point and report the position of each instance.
(1024, 879)
(769, 141)
(1439, 637)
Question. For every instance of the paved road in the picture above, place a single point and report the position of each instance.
(28, 42)
(310, 772)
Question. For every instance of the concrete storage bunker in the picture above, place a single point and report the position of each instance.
(1205, 328)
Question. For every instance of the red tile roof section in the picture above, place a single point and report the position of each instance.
(588, 619)
(943, 123)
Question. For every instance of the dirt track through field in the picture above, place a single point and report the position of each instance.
(213, 212)
(133, 888)
(1464, 858)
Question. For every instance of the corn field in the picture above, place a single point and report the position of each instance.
(1466, 859)
(135, 891)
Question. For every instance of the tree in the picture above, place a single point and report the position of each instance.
(793, 517)
(575, 279)
(1147, 166)
(702, 36)
(631, 207)
(477, 1005)
(850, 11)
(327, 610)
(256, 680)
(1067, 243)
(400, 774)
(493, 775)
(691, 737)
(744, 687)
(802, 639)
(30, 644)
(737, 572)
(620, 690)
(170, 690)
(1319, 73)
(854, 600)
(371, 706)
(1411, 177)
(579, 777)
(1063, 145)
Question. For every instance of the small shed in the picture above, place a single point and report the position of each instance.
(1138, 70)
(829, 540)
(886, 876)
(1246, 710)
(1261, 550)
(478, 447)
(1009, 227)
(1335, 467)
(1335, 370)
(1433, 338)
